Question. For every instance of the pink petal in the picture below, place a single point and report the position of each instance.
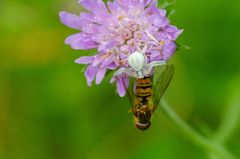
(71, 20)
(113, 79)
(100, 75)
(90, 74)
(95, 6)
(84, 60)
(87, 16)
(84, 44)
(122, 86)
(74, 38)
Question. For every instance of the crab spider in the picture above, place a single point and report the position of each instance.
(139, 68)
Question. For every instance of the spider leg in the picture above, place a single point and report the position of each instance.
(148, 69)
(125, 70)
(152, 37)
(119, 72)
(144, 49)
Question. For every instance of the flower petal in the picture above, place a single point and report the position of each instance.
(113, 7)
(107, 45)
(108, 60)
(162, 12)
(152, 8)
(147, 2)
(88, 4)
(71, 20)
(173, 32)
(84, 44)
(90, 74)
(95, 6)
(122, 86)
(155, 56)
(169, 49)
(84, 60)
(74, 38)
(100, 75)
(87, 16)
(113, 79)
(112, 66)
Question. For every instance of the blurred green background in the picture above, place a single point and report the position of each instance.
(47, 111)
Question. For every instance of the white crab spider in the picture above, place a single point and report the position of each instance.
(139, 68)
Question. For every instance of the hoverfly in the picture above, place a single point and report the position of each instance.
(149, 82)
(145, 94)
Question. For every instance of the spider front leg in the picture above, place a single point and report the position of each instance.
(148, 69)
(143, 50)
(128, 71)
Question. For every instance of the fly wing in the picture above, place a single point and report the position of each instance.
(161, 79)
(130, 89)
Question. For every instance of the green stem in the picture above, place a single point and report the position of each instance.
(229, 122)
(195, 137)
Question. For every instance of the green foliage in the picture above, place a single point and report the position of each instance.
(168, 5)
(182, 47)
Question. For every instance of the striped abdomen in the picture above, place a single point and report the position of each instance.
(143, 104)
(143, 87)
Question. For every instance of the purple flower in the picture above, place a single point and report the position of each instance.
(117, 30)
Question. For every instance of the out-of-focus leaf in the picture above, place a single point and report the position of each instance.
(168, 5)
(171, 12)
(181, 46)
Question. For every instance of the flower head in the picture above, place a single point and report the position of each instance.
(117, 30)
